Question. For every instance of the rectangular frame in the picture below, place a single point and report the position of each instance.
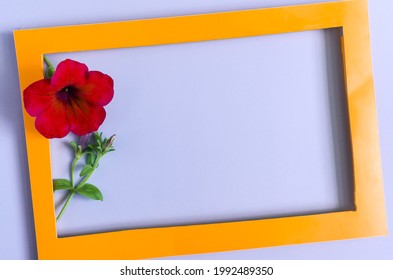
(367, 220)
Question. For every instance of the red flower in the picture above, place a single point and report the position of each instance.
(72, 100)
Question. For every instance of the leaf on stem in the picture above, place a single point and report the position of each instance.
(90, 191)
(91, 158)
(87, 169)
(62, 184)
(97, 138)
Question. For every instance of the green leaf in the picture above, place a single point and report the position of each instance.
(97, 137)
(73, 145)
(91, 147)
(90, 191)
(62, 184)
(108, 151)
(91, 158)
(87, 169)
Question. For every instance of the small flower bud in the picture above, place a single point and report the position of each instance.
(78, 153)
(109, 143)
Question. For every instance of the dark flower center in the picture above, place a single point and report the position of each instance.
(67, 94)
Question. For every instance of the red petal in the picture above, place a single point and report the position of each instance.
(53, 123)
(85, 118)
(98, 89)
(69, 72)
(39, 96)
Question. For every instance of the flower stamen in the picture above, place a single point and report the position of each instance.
(66, 94)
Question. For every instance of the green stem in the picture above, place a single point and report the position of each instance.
(50, 69)
(48, 62)
(73, 170)
(72, 192)
(91, 173)
(65, 205)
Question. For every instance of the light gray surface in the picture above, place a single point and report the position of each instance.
(315, 190)
(214, 131)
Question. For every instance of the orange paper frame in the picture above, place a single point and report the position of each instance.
(367, 220)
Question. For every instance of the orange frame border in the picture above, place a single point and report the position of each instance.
(367, 220)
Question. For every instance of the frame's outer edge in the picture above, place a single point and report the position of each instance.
(367, 220)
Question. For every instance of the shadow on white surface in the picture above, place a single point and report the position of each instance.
(16, 217)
